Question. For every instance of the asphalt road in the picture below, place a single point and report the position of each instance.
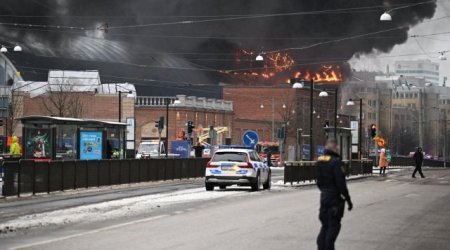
(396, 212)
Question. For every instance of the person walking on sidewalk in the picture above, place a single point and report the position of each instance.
(418, 158)
(333, 195)
(383, 163)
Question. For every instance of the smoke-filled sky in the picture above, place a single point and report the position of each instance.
(416, 48)
(203, 34)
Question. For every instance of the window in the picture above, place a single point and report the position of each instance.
(254, 156)
(230, 156)
(66, 144)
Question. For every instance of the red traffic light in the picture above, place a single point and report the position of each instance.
(373, 130)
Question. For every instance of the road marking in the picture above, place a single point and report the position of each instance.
(88, 232)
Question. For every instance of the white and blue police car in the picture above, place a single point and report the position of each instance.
(243, 167)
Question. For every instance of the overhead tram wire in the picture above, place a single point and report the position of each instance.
(344, 10)
(337, 60)
(220, 19)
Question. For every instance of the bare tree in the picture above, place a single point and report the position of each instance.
(62, 100)
(15, 111)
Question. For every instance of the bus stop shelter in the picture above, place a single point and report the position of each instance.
(63, 138)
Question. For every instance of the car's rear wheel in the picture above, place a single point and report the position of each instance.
(222, 187)
(257, 184)
(209, 187)
(268, 183)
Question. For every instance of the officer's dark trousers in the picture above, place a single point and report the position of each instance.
(330, 217)
(418, 169)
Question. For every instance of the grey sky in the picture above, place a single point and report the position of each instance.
(429, 45)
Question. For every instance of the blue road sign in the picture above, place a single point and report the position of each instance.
(250, 138)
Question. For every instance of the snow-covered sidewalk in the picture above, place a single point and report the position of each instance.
(110, 209)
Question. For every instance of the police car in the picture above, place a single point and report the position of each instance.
(243, 167)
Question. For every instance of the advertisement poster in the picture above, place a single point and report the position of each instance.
(91, 145)
(38, 143)
(181, 148)
(306, 151)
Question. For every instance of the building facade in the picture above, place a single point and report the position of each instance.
(204, 113)
(425, 69)
(265, 109)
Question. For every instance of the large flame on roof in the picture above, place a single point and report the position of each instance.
(281, 66)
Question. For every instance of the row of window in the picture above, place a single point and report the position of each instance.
(406, 95)
(422, 72)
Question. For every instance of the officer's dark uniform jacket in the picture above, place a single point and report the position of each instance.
(331, 179)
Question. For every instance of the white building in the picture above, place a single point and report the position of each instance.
(420, 69)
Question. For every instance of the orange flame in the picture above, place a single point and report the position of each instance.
(279, 64)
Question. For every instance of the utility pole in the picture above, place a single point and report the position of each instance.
(167, 127)
(445, 138)
(420, 119)
(273, 119)
(311, 121)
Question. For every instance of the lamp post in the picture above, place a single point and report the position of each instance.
(352, 103)
(324, 93)
(273, 117)
(299, 85)
(120, 102)
(4, 49)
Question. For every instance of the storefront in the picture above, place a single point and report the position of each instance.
(61, 138)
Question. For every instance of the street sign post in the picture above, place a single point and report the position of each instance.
(250, 138)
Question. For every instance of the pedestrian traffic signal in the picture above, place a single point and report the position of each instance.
(327, 124)
(160, 124)
(373, 130)
(281, 133)
(190, 127)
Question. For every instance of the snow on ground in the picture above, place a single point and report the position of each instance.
(110, 209)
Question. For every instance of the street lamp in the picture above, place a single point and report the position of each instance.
(351, 102)
(273, 115)
(17, 48)
(259, 58)
(3, 49)
(386, 17)
(324, 93)
(298, 85)
(120, 102)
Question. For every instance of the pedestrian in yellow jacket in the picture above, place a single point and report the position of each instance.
(14, 148)
(383, 162)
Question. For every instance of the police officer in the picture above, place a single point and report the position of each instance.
(333, 195)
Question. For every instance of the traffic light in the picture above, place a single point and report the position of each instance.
(373, 130)
(326, 124)
(281, 132)
(190, 127)
(160, 124)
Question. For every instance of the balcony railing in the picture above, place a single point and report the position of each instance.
(185, 101)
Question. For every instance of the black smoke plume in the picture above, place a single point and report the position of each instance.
(137, 54)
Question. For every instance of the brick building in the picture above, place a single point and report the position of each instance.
(266, 108)
(70, 94)
(202, 111)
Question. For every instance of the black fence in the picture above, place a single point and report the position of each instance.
(305, 171)
(409, 161)
(28, 176)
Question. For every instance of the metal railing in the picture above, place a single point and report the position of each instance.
(305, 170)
(30, 177)
(154, 101)
(409, 162)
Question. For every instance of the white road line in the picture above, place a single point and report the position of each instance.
(88, 232)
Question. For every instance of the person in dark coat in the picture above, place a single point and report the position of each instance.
(198, 150)
(333, 195)
(418, 158)
(269, 158)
